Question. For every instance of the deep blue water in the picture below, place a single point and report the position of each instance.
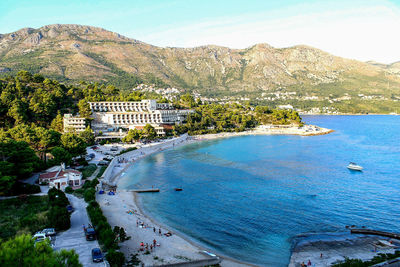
(247, 197)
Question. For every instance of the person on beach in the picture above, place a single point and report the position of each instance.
(303, 264)
(321, 256)
(154, 242)
(309, 263)
(154, 229)
(159, 231)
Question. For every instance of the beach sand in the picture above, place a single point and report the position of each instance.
(171, 249)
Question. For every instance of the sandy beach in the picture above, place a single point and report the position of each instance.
(123, 210)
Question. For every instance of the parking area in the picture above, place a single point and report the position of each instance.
(74, 238)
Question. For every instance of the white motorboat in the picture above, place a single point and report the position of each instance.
(353, 166)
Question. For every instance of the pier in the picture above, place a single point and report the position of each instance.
(375, 232)
(149, 190)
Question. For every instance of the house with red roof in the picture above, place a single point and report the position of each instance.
(62, 178)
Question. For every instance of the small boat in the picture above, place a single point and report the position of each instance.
(178, 189)
(353, 166)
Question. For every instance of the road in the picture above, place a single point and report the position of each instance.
(74, 237)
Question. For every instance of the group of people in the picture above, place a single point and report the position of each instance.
(305, 265)
(122, 160)
(148, 247)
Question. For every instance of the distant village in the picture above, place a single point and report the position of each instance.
(274, 96)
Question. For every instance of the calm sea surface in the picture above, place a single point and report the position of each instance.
(247, 197)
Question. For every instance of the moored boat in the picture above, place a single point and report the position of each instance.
(353, 166)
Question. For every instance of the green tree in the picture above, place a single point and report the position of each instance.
(22, 251)
(84, 108)
(187, 100)
(115, 258)
(17, 111)
(59, 218)
(149, 132)
(74, 144)
(88, 136)
(57, 123)
(133, 135)
(45, 140)
(61, 155)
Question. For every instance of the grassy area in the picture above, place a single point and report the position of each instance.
(102, 170)
(127, 150)
(23, 215)
(88, 170)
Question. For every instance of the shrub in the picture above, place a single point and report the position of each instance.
(127, 150)
(87, 185)
(69, 190)
(134, 261)
(59, 218)
(82, 161)
(94, 182)
(57, 198)
(115, 258)
(22, 188)
(88, 170)
(89, 195)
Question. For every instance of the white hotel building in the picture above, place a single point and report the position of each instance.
(109, 116)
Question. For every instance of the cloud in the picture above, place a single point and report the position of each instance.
(363, 33)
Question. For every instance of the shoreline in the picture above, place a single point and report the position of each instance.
(187, 238)
(117, 171)
(324, 249)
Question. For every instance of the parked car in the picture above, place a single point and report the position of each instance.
(49, 232)
(103, 162)
(90, 234)
(97, 255)
(92, 155)
(39, 237)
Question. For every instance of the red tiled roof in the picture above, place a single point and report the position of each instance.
(167, 126)
(48, 175)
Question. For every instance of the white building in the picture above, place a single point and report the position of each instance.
(285, 106)
(74, 124)
(62, 178)
(108, 116)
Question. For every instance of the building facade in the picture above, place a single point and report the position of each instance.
(62, 178)
(74, 124)
(110, 117)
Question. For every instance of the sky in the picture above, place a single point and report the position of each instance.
(363, 30)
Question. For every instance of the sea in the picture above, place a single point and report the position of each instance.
(248, 197)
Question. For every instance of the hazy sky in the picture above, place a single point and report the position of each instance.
(363, 30)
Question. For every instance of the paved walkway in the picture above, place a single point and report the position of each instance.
(74, 237)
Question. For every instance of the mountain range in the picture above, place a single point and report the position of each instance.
(75, 52)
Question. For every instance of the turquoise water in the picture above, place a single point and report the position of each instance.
(248, 197)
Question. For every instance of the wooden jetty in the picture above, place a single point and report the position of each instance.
(149, 190)
(375, 232)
